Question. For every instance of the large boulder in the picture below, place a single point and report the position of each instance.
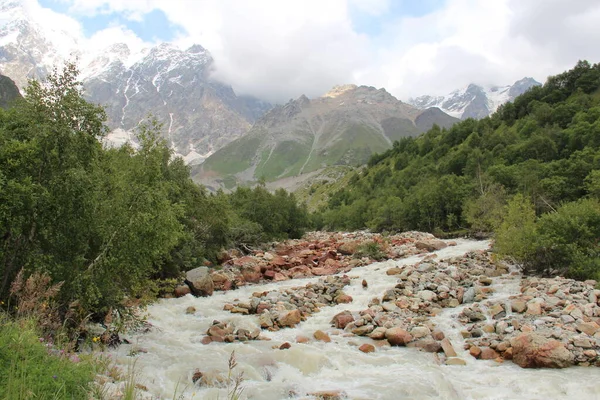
(200, 282)
(531, 350)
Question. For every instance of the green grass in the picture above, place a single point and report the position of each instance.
(31, 369)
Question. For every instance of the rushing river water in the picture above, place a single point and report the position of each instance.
(172, 351)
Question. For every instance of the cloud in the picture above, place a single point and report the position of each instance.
(278, 50)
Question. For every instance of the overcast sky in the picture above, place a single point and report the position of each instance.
(280, 49)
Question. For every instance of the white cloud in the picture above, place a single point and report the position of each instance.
(280, 49)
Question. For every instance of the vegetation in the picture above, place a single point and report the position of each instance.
(32, 368)
(529, 173)
(104, 222)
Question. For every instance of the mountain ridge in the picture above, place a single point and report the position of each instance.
(475, 101)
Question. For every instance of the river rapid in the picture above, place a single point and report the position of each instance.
(164, 359)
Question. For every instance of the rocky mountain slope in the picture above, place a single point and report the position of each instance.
(199, 114)
(475, 101)
(343, 127)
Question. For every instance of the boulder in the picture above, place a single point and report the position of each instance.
(398, 336)
(289, 318)
(200, 282)
(343, 298)
(448, 348)
(488, 354)
(342, 319)
(322, 336)
(455, 361)
(182, 290)
(530, 350)
(430, 245)
(367, 348)
(378, 333)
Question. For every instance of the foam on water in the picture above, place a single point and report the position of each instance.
(174, 351)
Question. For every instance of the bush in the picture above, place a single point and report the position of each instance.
(371, 249)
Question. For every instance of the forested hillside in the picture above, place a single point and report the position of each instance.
(104, 222)
(530, 172)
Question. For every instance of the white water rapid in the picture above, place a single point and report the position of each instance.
(172, 351)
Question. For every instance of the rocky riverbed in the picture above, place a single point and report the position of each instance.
(423, 326)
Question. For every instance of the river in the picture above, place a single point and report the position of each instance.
(172, 352)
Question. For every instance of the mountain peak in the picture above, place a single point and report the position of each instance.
(339, 90)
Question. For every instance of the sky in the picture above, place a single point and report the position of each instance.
(279, 49)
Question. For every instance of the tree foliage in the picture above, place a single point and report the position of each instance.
(102, 220)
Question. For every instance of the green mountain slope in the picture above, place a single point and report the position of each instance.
(344, 127)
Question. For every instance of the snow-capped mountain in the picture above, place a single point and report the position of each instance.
(475, 101)
(199, 115)
(29, 49)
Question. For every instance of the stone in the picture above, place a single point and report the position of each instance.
(429, 345)
(438, 334)
(190, 310)
(363, 330)
(534, 307)
(455, 361)
(496, 310)
(530, 350)
(265, 320)
(200, 282)
(448, 348)
(419, 332)
(589, 328)
(285, 346)
(397, 336)
(343, 299)
(488, 354)
(378, 333)
(182, 290)
(289, 318)
(328, 395)
(364, 283)
(302, 339)
(367, 348)
(393, 271)
(427, 295)
(475, 351)
(430, 245)
(321, 336)
(348, 248)
(341, 320)
(518, 306)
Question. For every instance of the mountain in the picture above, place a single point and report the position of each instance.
(475, 101)
(343, 127)
(9, 91)
(199, 114)
(30, 49)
